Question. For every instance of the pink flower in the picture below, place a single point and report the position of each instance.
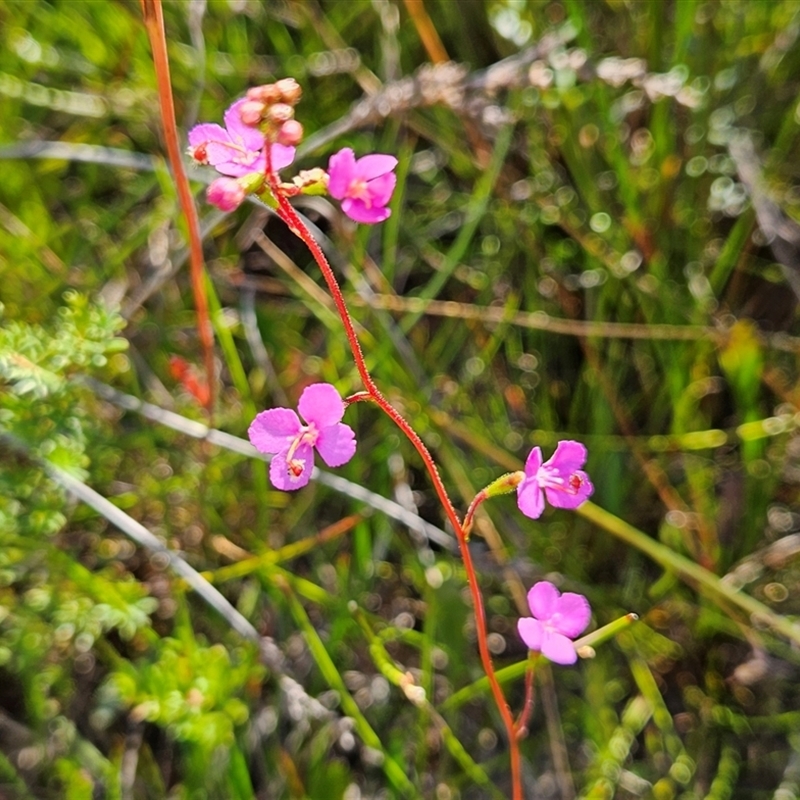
(237, 149)
(280, 432)
(364, 186)
(557, 619)
(226, 194)
(561, 480)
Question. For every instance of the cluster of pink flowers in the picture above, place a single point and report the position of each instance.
(557, 618)
(265, 118)
(278, 432)
(259, 139)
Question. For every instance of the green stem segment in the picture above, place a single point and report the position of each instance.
(702, 579)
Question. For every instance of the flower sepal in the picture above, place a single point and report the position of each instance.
(266, 196)
(505, 484)
(252, 182)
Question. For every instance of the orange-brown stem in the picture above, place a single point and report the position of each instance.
(154, 23)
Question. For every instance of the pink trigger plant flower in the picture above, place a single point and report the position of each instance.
(237, 149)
(561, 480)
(364, 186)
(279, 431)
(557, 619)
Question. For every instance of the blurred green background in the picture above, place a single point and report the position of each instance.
(595, 236)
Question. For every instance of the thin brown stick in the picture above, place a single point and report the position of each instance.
(154, 23)
(427, 32)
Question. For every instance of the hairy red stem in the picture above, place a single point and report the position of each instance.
(469, 517)
(296, 225)
(154, 23)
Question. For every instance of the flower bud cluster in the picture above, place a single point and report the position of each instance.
(271, 109)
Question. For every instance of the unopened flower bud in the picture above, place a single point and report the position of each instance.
(290, 133)
(280, 113)
(290, 90)
(226, 194)
(267, 94)
(312, 181)
(251, 112)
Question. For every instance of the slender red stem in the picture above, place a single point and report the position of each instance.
(469, 517)
(154, 23)
(292, 219)
(521, 725)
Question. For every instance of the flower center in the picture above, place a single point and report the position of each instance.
(574, 483)
(359, 190)
(247, 157)
(553, 479)
(307, 435)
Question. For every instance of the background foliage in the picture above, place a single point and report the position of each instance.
(597, 239)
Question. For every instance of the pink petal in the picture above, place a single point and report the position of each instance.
(205, 133)
(228, 160)
(531, 632)
(358, 210)
(321, 405)
(543, 600)
(235, 165)
(219, 154)
(381, 188)
(530, 498)
(572, 615)
(283, 478)
(534, 462)
(558, 648)
(568, 457)
(282, 156)
(251, 138)
(373, 166)
(336, 444)
(341, 169)
(272, 431)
